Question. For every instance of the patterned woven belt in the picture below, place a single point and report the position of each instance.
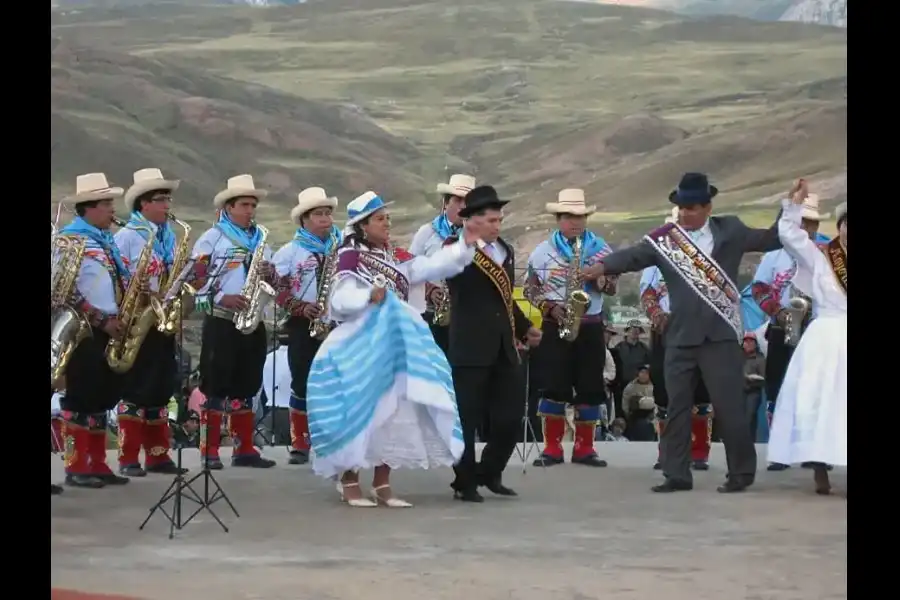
(223, 313)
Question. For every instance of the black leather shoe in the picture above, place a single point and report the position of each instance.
(672, 485)
(55, 490)
(591, 461)
(213, 464)
(812, 465)
(547, 461)
(777, 467)
(734, 484)
(252, 460)
(298, 457)
(469, 495)
(84, 481)
(700, 465)
(169, 468)
(496, 487)
(132, 471)
(112, 479)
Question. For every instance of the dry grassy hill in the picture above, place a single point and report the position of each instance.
(532, 95)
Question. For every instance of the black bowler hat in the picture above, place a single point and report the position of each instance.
(694, 188)
(481, 197)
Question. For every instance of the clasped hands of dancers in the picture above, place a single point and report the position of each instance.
(374, 384)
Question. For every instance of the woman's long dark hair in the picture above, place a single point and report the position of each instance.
(354, 239)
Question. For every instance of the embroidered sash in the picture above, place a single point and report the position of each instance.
(367, 266)
(837, 259)
(700, 272)
(498, 276)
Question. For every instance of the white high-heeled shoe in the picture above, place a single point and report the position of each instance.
(391, 502)
(354, 502)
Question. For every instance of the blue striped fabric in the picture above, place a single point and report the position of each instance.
(752, 315)
(348, 379)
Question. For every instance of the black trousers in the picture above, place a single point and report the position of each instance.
(302, 349)
(778, 357)
(231, 363)
(91, 386)
(497, 391)
(441, 334)
(151, 381)
(578, 365)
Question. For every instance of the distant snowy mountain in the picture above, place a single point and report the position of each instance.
(820, 12)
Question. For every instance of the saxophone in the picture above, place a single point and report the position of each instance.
(256, 292)
(171, 310)
(135, 313)
(795, 315)
(68, 327)
(576, 299)
(442, 308)
(320, 327)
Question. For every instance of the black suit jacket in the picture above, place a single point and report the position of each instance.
(691, 320)
(479, 323)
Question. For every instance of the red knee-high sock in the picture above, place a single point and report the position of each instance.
(156, 437)
(554, 430)
(131, 432)
(299, 431)
(210, 433)
(240, 427)
(77, 440)
(98, 434)
(701, 433)
(584, 439)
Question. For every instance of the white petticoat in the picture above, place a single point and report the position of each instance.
(810, 421)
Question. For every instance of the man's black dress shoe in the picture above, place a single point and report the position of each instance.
(469, 495)
(777, 467)
(672, 485)
(735, 484)
(496, 487)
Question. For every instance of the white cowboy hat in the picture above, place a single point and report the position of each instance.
(811, 208)
(91, 187)
(148, 180)
(672, 218)
(459, 185)
(363, 206)
(310, 198)
(570, 202)
(238, 186)
(840, 212)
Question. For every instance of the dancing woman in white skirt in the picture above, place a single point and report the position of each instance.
(810, 421)
(379, 392)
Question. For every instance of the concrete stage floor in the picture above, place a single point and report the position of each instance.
(574, 533)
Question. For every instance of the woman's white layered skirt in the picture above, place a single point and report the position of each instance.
(380, 392)
(810, 421)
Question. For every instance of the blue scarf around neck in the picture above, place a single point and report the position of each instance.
(245, 238)
(103, 238)
(590, 245)
(163, 242)
(442, 226)
(316, 245)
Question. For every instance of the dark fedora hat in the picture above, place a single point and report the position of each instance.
(694, 188)
(481, 197)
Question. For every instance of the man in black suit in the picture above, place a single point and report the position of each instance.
(484, 327)
(699, 259)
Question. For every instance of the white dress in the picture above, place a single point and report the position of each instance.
(810, 421)
(380, 390)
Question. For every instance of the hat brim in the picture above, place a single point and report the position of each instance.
(638, 327)
(467, 211)
(840, 213)
(365, 215)
(225, 195)
(813, 215)
(142, 187)
(304, 207)
(675, 199)
(113, 193)
(446, 188)
(554, 208)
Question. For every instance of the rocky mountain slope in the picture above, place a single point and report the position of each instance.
(820, 12)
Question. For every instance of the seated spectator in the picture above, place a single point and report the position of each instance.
(639, 407)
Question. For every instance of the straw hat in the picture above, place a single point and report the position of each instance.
(91, 187)
(570, 202)
(811, 208)
(841, 212)
(310, 198)
(459, 185)
(237, 187)
(148, 180)
(363, 206)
